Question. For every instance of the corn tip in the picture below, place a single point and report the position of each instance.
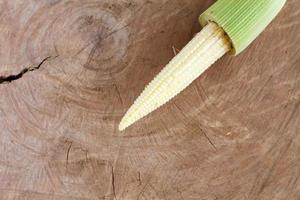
(122, 125)
(126, 121)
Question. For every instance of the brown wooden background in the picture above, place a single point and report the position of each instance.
(71, 68)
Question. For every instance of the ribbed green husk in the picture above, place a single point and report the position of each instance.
(242, 20)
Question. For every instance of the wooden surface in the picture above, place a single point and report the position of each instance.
(69, 70)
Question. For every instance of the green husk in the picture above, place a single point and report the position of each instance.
(242, 20)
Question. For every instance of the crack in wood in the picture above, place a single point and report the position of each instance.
(14, 77)
(68, 152)
(139, 178)
(113, 182)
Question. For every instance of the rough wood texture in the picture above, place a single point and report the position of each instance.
(70, 69)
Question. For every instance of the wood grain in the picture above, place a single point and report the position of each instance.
(71, 68)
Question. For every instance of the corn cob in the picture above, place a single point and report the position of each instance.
(229, 25)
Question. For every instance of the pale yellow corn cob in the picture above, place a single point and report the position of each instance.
(198, 55)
